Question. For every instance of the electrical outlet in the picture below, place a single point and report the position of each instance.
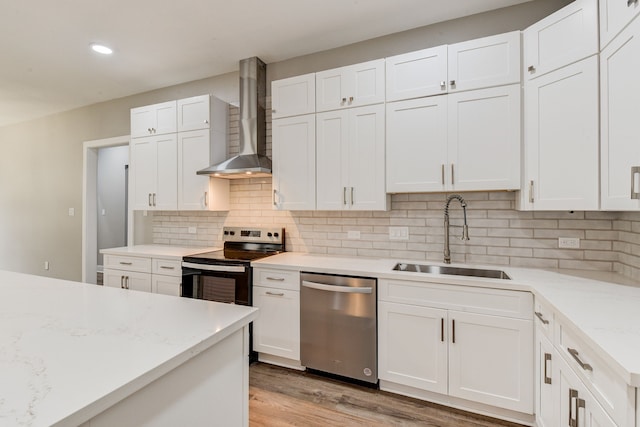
(46, 265)
(72, 211)
(355, 235)
(192, 230)
(398, 233)
(569, 242)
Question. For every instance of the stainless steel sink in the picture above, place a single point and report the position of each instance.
(456, 271)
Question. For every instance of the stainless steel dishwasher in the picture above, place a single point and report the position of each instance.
(338, 325)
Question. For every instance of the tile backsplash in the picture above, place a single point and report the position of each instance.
(499, 234)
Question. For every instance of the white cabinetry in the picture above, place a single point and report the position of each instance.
(294, 163)
(276, 331)
(614, 16)
(351, 86)
(561, 132)
(417, 74)
(293, 96)
(473, 344)
(154, 119)
(350, 159)
(194, 113)
(154, 172)
(162, 276)
(545, 406)
(620, 127)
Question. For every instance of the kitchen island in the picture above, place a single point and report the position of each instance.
(78, 354)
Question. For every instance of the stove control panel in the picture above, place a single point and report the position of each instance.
(256, 234)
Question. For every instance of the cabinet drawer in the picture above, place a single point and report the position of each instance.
(496, 302)
(544, 319)
(167, 267)
(128, 263)
(607, 387)
(280, 279)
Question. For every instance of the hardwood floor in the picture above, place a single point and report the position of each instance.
(283, 397)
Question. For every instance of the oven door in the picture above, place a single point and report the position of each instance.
(230, 283)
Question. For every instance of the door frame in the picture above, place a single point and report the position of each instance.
(90, 204)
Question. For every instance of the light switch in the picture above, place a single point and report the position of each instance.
(398, 233)
(72, 211)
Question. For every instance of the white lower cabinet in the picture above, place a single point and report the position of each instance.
(544, 402)
(138, 273)
(430, 340)
(276, 331)
(127, 280)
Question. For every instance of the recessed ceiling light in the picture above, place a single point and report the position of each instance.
(101, 49)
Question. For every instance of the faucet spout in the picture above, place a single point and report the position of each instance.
(465, 227)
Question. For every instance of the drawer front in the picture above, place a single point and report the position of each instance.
(496, 302)
(280, 279)
(608, 388)
(167, 267)
(544, 319)
(128, 263)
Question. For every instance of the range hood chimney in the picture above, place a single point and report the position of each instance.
(252, 160)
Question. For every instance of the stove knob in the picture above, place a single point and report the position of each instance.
(233, 233)
(269, 234)
(226, 233)
(275, 234)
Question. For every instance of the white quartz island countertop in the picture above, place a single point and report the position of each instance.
(605, 314)
(69, 350)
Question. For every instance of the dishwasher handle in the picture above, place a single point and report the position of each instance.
(334, 288)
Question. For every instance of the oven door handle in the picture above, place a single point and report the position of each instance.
(209, 267)
(336, 288)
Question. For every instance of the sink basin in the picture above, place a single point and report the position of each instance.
(456, 271)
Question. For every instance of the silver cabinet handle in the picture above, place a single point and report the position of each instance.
(275, 279)
(150, 199)
(350, 99)
(580, 403)
(167, 267)
(206, 198)
(442, 329)
(443, 85)
(275, 294)
(442, 174)
(344, 195)
(273, 111)
(531, 68)
(635, 182)
(453, 181)
(206, 122)
(274, 197)
(541, 317)
(121, 282)
(126, 263)
(154, 199)
(531, 199)
(453, 331)
(630, 2)
(574, 353)
(335, 288)
(573, 409)
(344, 100)
(452, 83)
(351, 196)
(547, 360)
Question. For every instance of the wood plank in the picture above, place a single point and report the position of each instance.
(282, 397)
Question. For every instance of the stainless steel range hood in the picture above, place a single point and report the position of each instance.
(252, 160)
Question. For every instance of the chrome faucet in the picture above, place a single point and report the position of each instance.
(465, 228)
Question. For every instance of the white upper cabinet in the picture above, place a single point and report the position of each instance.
(351, 86)
(417, 74)
(562, 38)
(561, 158)
(157, 119)
(614, 16)
(484, 139)
(193, 113)
(620, 127)
(485, 62)
(416, 145)
(350, 159)
(294, 163)
(293, 96)
(154, 172)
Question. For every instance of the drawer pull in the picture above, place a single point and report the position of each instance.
(276, 279)
(574, 353)
(275, 294)
(547, 360)
(166, 267)
(126, 263)
(541, 317)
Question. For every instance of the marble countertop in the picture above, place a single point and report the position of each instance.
(157, 251)
(70, 350)
(603, 308)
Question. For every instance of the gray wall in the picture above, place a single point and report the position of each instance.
(41, 166)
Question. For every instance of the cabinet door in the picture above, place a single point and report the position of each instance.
(143, 172)
(166, 285)
(330, 86)
(491, 360)
(562, 139)
(113, 278)
(166, 195)
(416, 145)
(294, 163)
(416, 74)
(138, 281)
(412, 346)
(294, 96)
(276, 331)
(545, 382)
(560, 39)
(485, 62)
(614, 16)
(165, 118)
(193, 113)
(366, 177)
(484, 139)
(193, 155)
(331, 151)
(156, 119)
(352, 86)
(620, 127)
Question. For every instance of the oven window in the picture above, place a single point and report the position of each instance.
(220, 289)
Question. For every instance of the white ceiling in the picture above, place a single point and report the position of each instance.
(47, 66)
